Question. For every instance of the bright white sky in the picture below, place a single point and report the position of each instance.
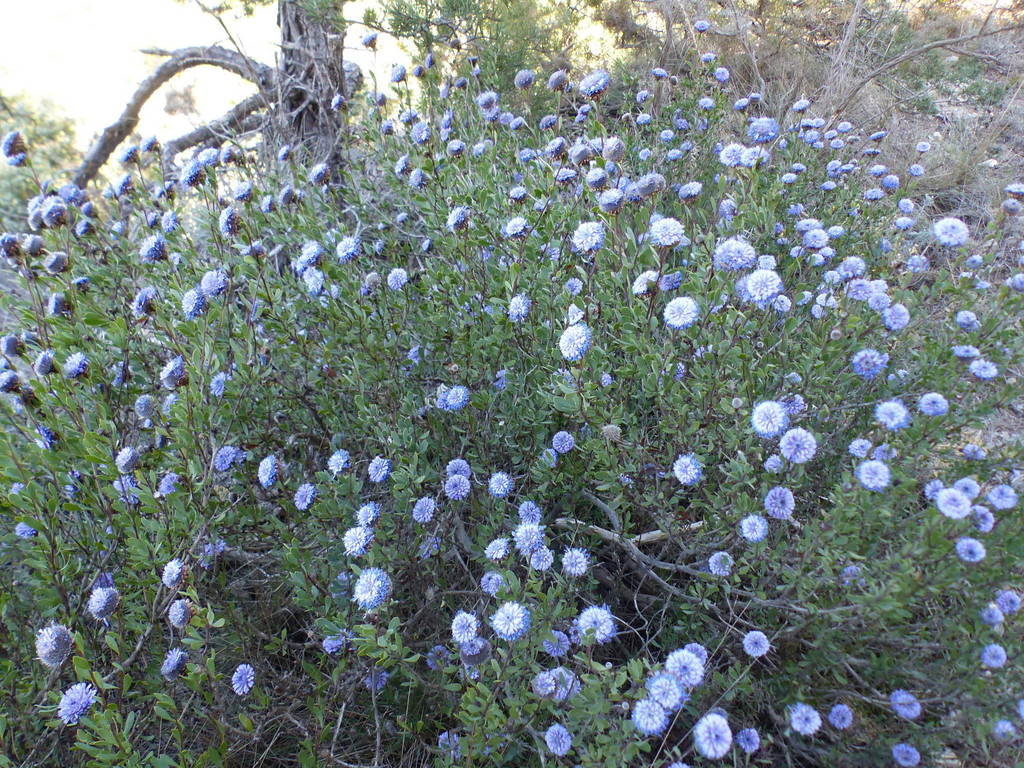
(84, 56)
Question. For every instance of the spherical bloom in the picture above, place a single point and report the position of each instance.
(103, 602)
(174, 571)
(841, 717)
(804, 719)
(180, 613)
(687, 469)
(305, 495)
(575, 562)
(1002, 497)
(993, 656)
(519, 308)
(454, 399)
(599, 619)
(720, 563)
(798, 445)
(686, 666)
(397, 278)
(174, 664)
(905, 704)
(339, 462)
(1003, 730)
(970, 550)
(712, 736)
(769, 418)
(510, 622)
(76, 701)
(595, 84)
(372, 589)
(575, 341)
(667, 233)
(681, 312)
(465, 627)
(491, 582)
(951, 232)
(756, 644)
(497, 549)
(357, 540)
(734, 254)
(983, 369)
(779, 503)
(665, 689)
(423, 510)
(243, 679)
(762, 286)
(953, 503)
(76, 366)
(379, 469)
(868, 363)
(933, 404)
(1009, 602)
(53, 645)
(905, 755)
(649, 717)
(500, 485)
(268, 471)
(753, 528)
(588, 237)
(892, 415)
(874, 475)
(749, 740)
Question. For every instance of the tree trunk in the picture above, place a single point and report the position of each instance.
(311, 73)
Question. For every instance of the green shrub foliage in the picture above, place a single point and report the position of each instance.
(580, 437)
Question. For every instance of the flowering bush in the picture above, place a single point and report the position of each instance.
(641, 438)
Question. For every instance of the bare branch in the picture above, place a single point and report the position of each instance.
(239, 119)
(183, 58)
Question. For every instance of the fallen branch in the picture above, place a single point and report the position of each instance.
(180, 60)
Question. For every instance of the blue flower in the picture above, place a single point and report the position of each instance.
(575, 341)
(588, 237)
(599, 620)
(558, 739)
(804, 719)
(712, 736)
(456, 487)
(511, 621)
(756, 644)
(595, 84)
(841, 717)
(379, 469)
(905, 704)
(951, 232)
(681, 312)
(243, 679)
(720, 564)
(500, 485)
(372, 589)
(905, 755)
(687, 469)
(993, 656)
(75, 702)
(518, 308)
(649, 717)
(748, 740)
(268, 471)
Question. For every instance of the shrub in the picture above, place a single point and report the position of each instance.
(617, 442)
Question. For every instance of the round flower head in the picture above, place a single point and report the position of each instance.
(558, 739)
(268, 471)
(905, 704)
(423, 510)
(339, 462)
(500, 485)
(687, 469)
(874, 475)
(841, 717)
(456, 487)
(465, 627)
(563, 442)
(970, 550)
(599, 619)
(905, 755)
(510, 622)
(575, 562)
(649, 717)
(76, 701)
(868, 363)
(243, 679)
(594, 85)
(686, 666)
(769, 418)
(519, 308)
(667, 233)
(720, 564)
(804, 719)
(103, 602)
(712, 736)
(734, 254)
(372, 589)
(305, 495)
(665, 689)
(588, 237)
(779, 503)
(756, 644)
(798, 445)
(892, 415)
(753, 528)
(748, 740)
(951, 232)
(953, 503)
(575, 341)
(379, 469)
(681, 312)
(174, 664)
(933, 404)
(993, 656)
(1002, 497)
(53, 645)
